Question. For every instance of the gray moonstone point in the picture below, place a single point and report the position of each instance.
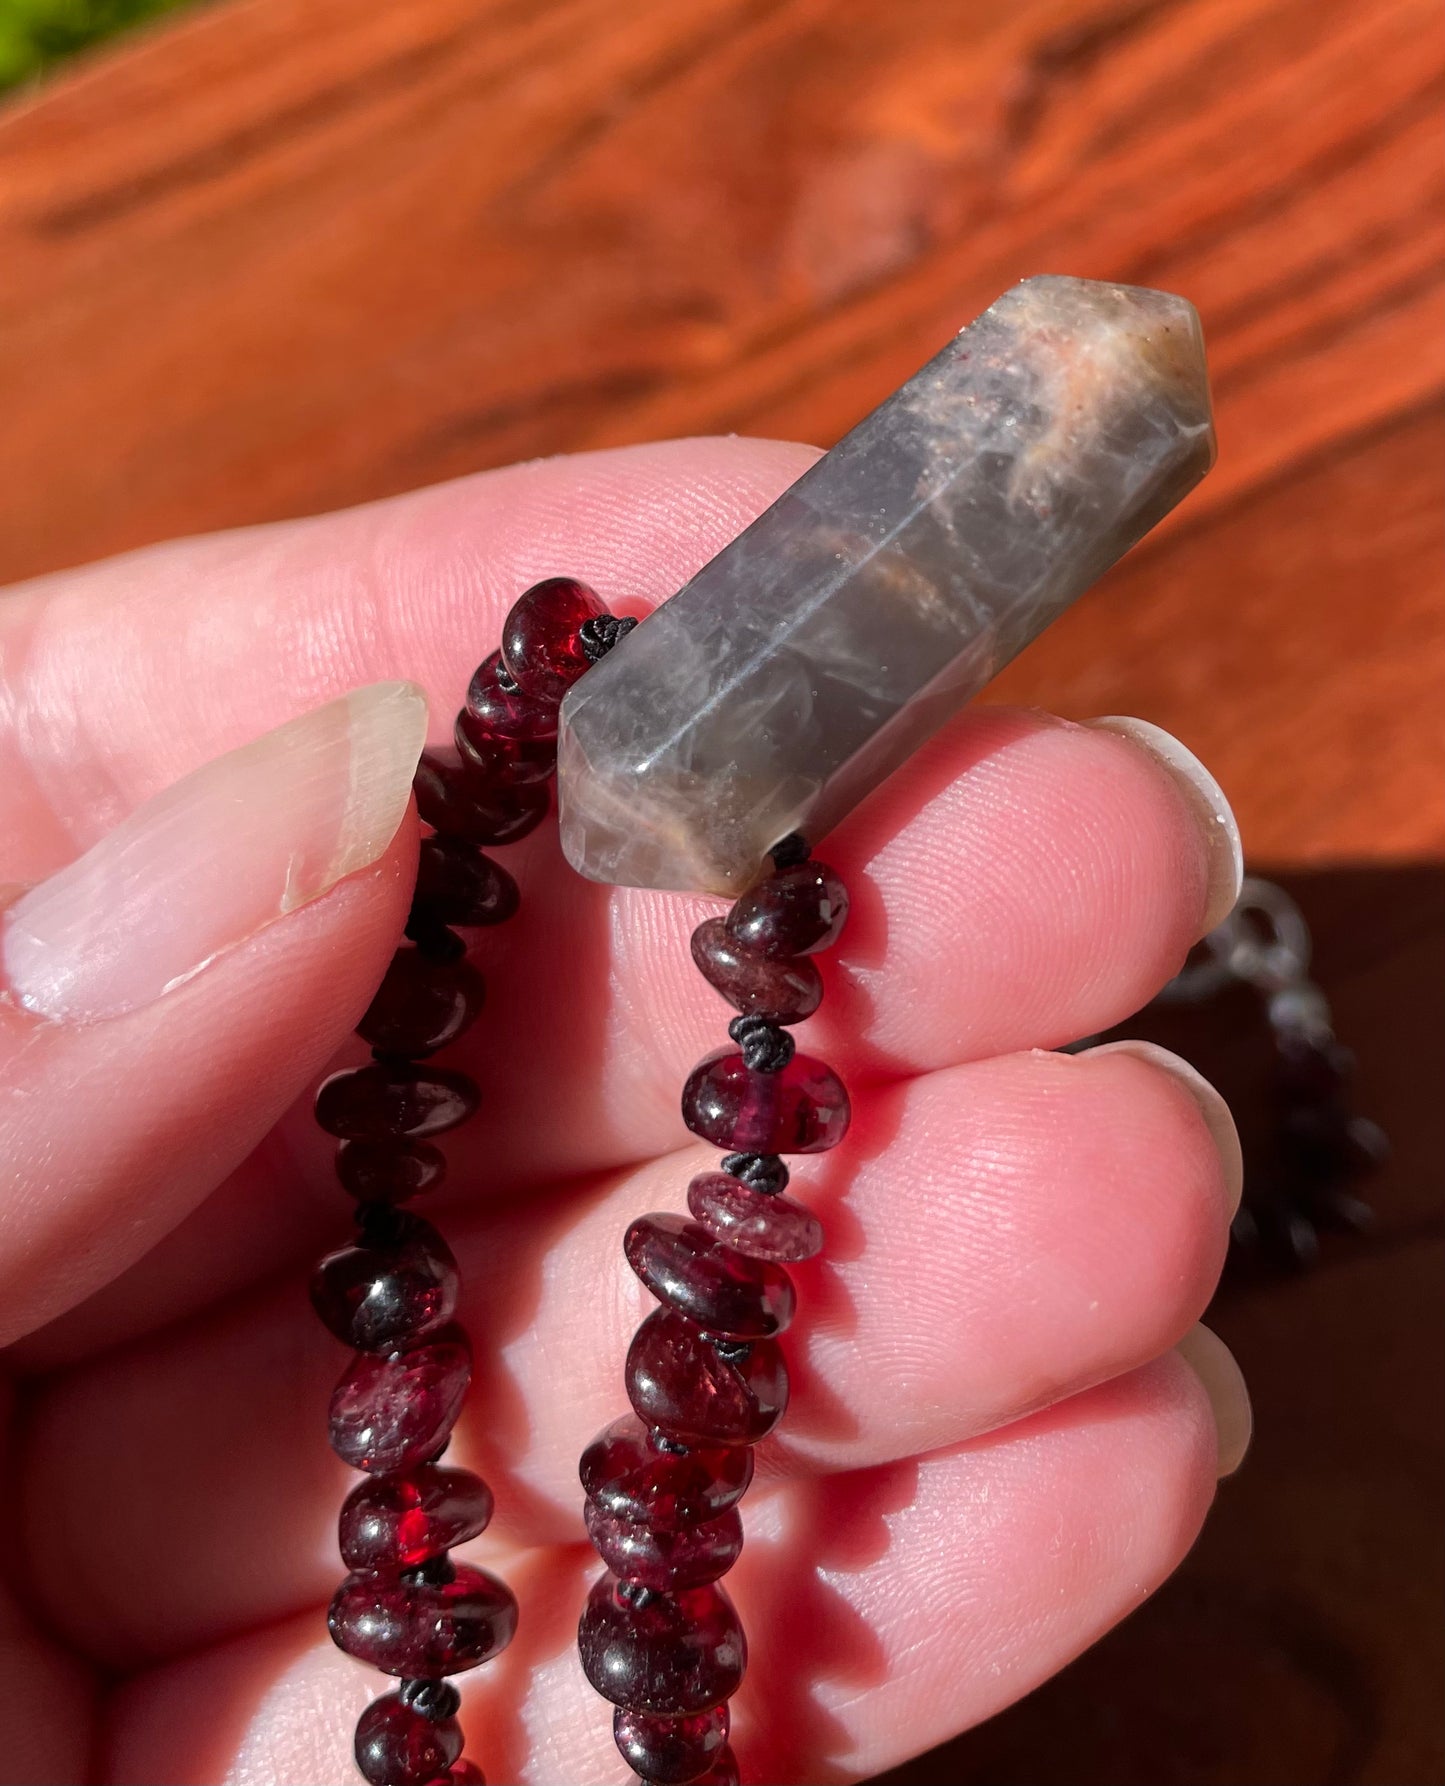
(875, 597)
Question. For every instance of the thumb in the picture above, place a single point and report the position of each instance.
(169, 993)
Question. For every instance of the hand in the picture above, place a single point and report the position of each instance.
(994, 1449)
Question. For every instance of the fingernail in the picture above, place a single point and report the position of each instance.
(1206, 798)
(1218, 1370)
(1212, 1106)
(206, 863)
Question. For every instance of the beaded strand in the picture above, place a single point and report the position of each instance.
(406, 1607)
(705, 1376)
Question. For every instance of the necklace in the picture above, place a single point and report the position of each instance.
(751, 713)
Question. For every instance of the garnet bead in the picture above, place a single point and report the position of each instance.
(723, 1290)
(423, 1629)
(397, 1522)
(389, 1171)
(457, 884)
(723, 1772)
(397, 1746)
(631, 1477)
(456, 802)
(666, 1560)
(754, 983)
(796, 911)
(671, 1751)
(667, 1654)
(389, 1413)
(374, 1297)
(467, 1773)
(507, 712)
(386, 1102)
(677, 1379)
(422, 1004)
(763, 1226)
(540, 646)
(493, 760)
(802, 1109)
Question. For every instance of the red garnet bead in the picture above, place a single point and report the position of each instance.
(457, 884)
(762, 1225)
(540, 643)
(802, 1109)
(503, 762)
(399, 1746)
(701, 1392)
(423, 1629)
(389, 1413)
(386, 1102)
(377, 1295)
(397, 1522)
(456, 802)
(671, 1751)
(389, 1171)
(754, 983)
(508, 713)
(723, 1290)
(467, 1773)
(422, 1004)
(642, 1478)
(793, 912)
(723, 1772)
(670, 1654)
(666, 1560)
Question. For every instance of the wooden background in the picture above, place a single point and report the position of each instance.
(282, 255)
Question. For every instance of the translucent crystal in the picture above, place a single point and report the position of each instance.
(812, 656)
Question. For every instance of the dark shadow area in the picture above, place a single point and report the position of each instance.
(1301, 1644)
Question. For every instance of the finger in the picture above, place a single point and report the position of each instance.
(1022, 882)
(126, 675)
(885, 1611)
(1007, 1233)
(166, 995)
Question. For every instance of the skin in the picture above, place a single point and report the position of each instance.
(993, 1452)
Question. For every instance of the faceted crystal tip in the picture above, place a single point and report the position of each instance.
(814, 654)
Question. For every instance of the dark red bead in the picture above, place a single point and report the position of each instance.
(802, 1109)
(457, 884)
(671, 1751)
(793, 912)
(540, 643)
(754, 983)
(627, 1472)
(389, 1171)
(378, 1296)
(508, 713)
(385, 1102)
(666, 1560)
(397, 1746)
(396, 1522)
(465, 1773)
(422, 1005)
(421, 1629)
(723, 1772)
(502, 762)
(755, 1222)
(669, 1654)
(702, 1277)
(458, 804)
(390, 1413)
(698, 1393)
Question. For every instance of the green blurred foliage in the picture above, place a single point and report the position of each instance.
(36, 33)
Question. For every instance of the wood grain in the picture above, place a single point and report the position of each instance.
(291, 254)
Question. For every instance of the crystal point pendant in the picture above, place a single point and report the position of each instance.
(814, 654)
